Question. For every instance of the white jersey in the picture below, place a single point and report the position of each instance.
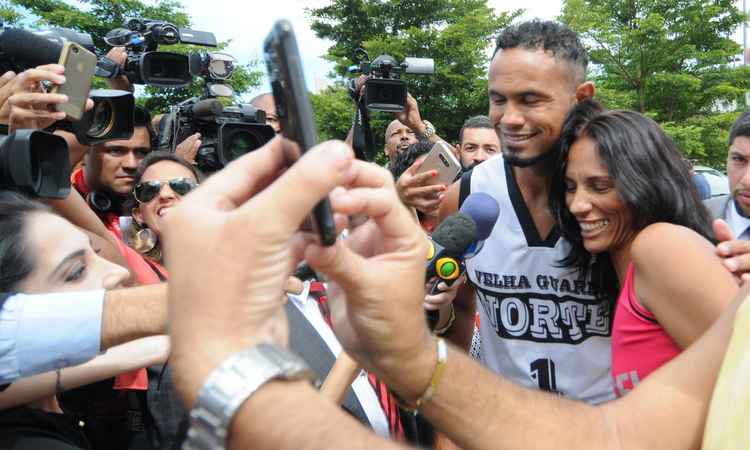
(540, 324)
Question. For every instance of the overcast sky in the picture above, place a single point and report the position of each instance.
(247, 24)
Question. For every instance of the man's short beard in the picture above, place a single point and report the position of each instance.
(523, 163)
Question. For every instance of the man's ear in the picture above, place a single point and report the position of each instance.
(585, 91)
(457, 150)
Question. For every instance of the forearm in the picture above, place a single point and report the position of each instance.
(271, 419)
(464, 305)
(134, 313)
(119, 359)
(666, 411)
(506, 416)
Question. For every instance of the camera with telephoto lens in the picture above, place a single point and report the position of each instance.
(146, 65)
(36, 163)
(385, 91)
(227, 132)
(22, 49)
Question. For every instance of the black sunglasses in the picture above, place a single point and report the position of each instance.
(148, 190)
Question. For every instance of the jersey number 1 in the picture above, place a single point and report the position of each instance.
(543, 372)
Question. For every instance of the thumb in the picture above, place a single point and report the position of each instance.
(338, 263)
(290, 198)
(722, 231)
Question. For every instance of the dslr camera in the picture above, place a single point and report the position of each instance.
(385, 91)
(145, 65)
(227, 132)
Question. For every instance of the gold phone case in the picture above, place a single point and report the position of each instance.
(80, 65)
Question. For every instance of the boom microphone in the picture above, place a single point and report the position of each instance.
(457, 238)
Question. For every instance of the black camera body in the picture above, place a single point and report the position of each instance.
(385, 91)
(36, 163)
(146, 65)
(227, 132)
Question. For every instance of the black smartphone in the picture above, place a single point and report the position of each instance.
(294, 109)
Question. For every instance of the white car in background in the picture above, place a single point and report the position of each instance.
(718, 182)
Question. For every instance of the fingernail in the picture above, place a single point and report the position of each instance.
(341, 154)
(723, 248)
(731, 264)
(434, 173)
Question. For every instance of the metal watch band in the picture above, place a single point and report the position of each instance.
(231, 384)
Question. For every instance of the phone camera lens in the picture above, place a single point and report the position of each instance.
(443, 160)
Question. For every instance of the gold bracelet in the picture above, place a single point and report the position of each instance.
(447, 326)
(437, 375)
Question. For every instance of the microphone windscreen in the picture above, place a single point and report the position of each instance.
(484, 210)
(208, 107)
(456, 233)
(29, 47)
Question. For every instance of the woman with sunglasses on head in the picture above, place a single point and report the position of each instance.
(160, 182)
(624, 198)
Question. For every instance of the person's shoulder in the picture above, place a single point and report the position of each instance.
(660, 242)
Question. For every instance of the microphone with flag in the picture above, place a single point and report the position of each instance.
(459, 237)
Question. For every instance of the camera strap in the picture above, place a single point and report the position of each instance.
(362, 141)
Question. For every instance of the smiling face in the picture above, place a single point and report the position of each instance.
(64, 260)
(530, 94)
(591, 197)
(150, 213)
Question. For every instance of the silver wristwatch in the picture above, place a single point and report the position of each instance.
(230, 384)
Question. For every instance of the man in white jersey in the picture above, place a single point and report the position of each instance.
(541, 325)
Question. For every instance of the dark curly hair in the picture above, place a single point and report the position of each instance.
(405, 159)
(551, 36)
(650, 175)
(740, 127)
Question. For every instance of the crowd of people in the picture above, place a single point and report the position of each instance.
(157, 307)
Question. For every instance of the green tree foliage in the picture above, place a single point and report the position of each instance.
(670, 59)
(457, 34)
(98, 17)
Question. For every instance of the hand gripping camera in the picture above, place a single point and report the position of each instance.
(227, 132)
(145, 65)
(385, 91)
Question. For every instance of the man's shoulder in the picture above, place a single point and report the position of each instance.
(717, 206)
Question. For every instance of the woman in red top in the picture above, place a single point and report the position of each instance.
(625, 200)
(160, 182)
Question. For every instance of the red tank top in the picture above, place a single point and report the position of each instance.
(639, 344)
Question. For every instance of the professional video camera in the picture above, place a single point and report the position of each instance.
(227, 132)
(36, 163)
(111, 118)
(22, 49)
(145, 65)
(385, 91)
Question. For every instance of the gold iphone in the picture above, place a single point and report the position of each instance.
(79, 66)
